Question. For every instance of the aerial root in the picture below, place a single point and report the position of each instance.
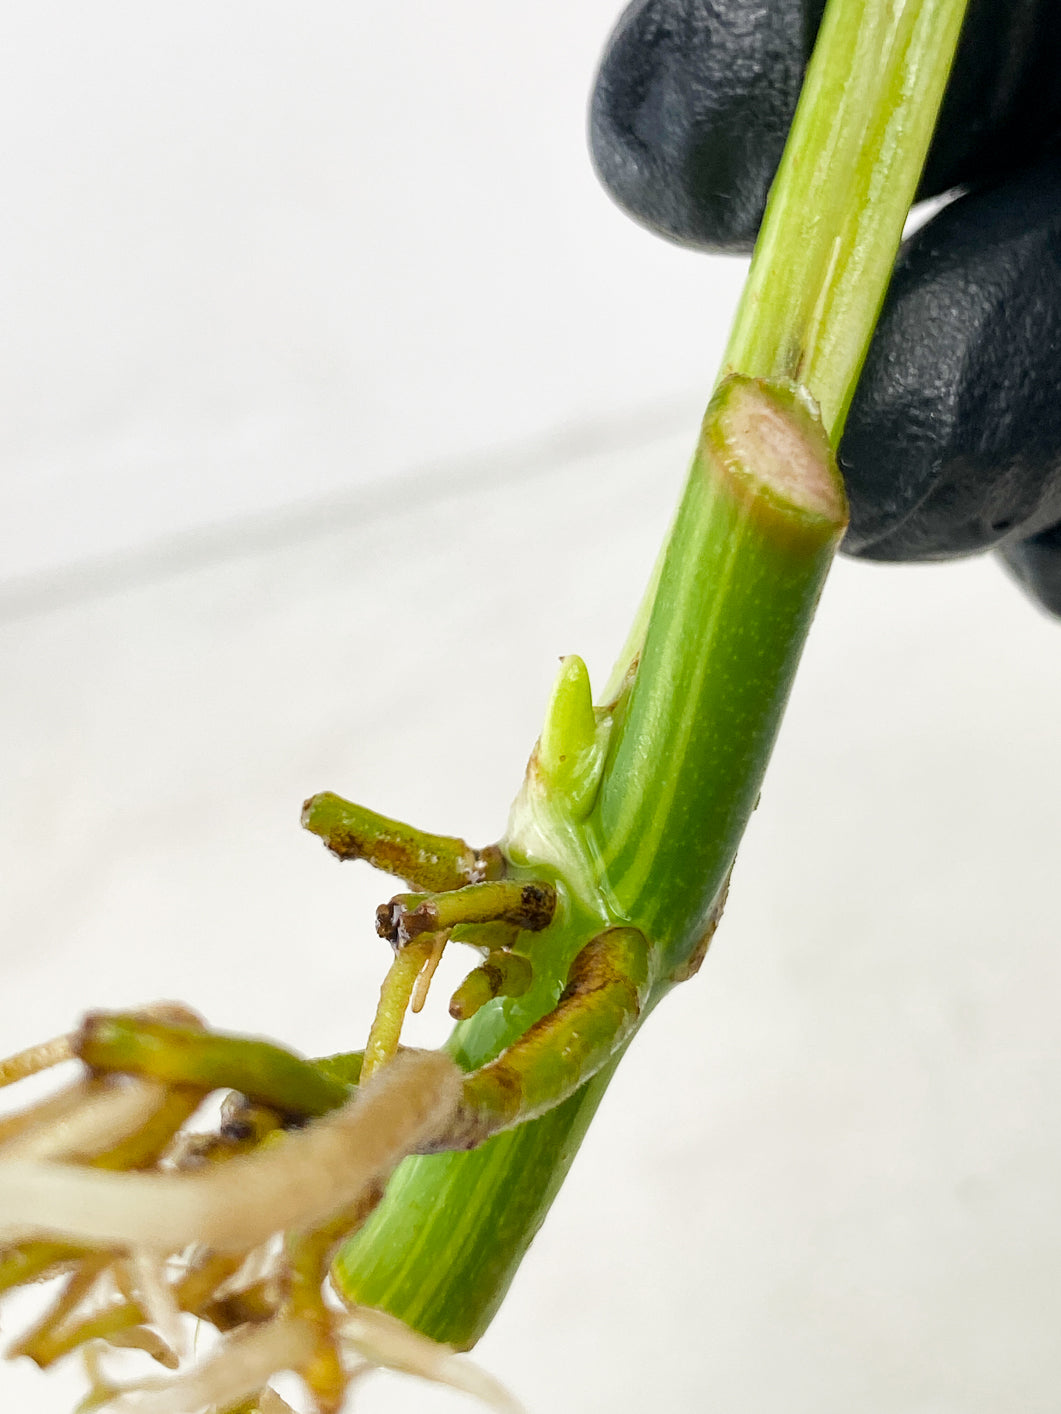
(237, 1205)
(85, 1120)
(423, 860)
(154, 1227)
(241, 1370)
(395, 994)
(80, 1121)
(426, 974)
(384, 1340)
(149, 1289)
(245, 1364)
(34, 1059)
(271, 1403)
(88, 1277)
(151, 1249)
(150, 1342)
(503, 974)
(526, 904)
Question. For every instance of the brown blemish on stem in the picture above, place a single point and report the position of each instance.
(692, 964)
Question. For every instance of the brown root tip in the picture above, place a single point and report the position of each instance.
(478, 988)
(537, 906)
(423, 919)
(387, 919)
(400, 924)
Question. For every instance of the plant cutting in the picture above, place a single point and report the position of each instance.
(601, 896)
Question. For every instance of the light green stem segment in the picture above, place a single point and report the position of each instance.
(842, 193)
(689, 741)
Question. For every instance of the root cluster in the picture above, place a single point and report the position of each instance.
(150, 1228)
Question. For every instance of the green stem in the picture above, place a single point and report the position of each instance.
(841, 195)
(744, 568)
(443, 1248)
(686, 743)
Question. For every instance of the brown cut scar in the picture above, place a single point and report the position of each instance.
(691, 966)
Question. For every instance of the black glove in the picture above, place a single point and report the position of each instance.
(953, 441)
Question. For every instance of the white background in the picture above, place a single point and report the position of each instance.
(338, 402)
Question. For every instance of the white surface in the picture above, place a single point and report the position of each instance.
(256, 254)
(323, 348)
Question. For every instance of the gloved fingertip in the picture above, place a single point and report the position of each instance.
(1035, 563)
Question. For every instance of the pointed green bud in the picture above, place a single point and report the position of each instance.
(571, 749)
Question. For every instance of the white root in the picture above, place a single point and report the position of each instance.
(271, 1403)
(34, 1059)
(86, 1120)
(296, 1184)
(155, 1299)
(240, 1206)
(246, 1362)
(261, 1264)
(382, 1339)
(46, 1113)
(143, 1338)
(423, 981)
